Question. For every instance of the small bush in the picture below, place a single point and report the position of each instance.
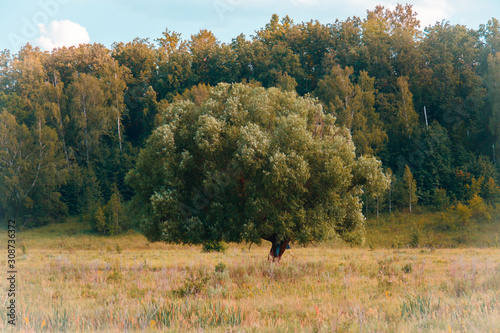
(220, 267)
(408, 268)
(446, 222)
(462, 213)
(194, 284)
(440, 199)
(214, 246)
(479, 209)
(415, 237)
(396, 244)
(456, 217)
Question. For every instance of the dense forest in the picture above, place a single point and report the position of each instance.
(426, 102)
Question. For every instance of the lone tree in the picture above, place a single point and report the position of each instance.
(247, 164)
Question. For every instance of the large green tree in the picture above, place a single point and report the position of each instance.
(249, 164)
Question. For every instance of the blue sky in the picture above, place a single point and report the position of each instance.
(53, 23)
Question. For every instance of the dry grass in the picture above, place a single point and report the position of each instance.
(392, 229)
(73, 281)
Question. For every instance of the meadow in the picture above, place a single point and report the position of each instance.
(72, 280)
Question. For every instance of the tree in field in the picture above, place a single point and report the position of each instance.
(249, 164)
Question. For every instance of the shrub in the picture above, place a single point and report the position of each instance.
(440, 199)
(479, 209)
(408, 268)
(460, 214)
(195, 283)
(220, 267)
(214, 246)
(415, 237)
(396, 244)
(446, 222)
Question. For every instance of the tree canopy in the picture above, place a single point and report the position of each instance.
(251, 163)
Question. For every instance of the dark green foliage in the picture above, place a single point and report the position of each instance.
(248, 164)
(440, 199)
(431, 160)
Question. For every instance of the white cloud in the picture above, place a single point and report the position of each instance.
(61, 33)
(431, 11)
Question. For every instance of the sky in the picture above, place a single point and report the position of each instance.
(56, 23)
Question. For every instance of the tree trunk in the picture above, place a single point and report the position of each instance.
(410, 196)
(119, 132)
(277, 248)
(390, 197)
(119, 115)
(86, 131)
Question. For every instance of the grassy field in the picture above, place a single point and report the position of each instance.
(397, 230)
(72, 280)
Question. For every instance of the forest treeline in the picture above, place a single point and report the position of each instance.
(424, 101)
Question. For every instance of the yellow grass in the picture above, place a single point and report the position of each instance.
(70, 280)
